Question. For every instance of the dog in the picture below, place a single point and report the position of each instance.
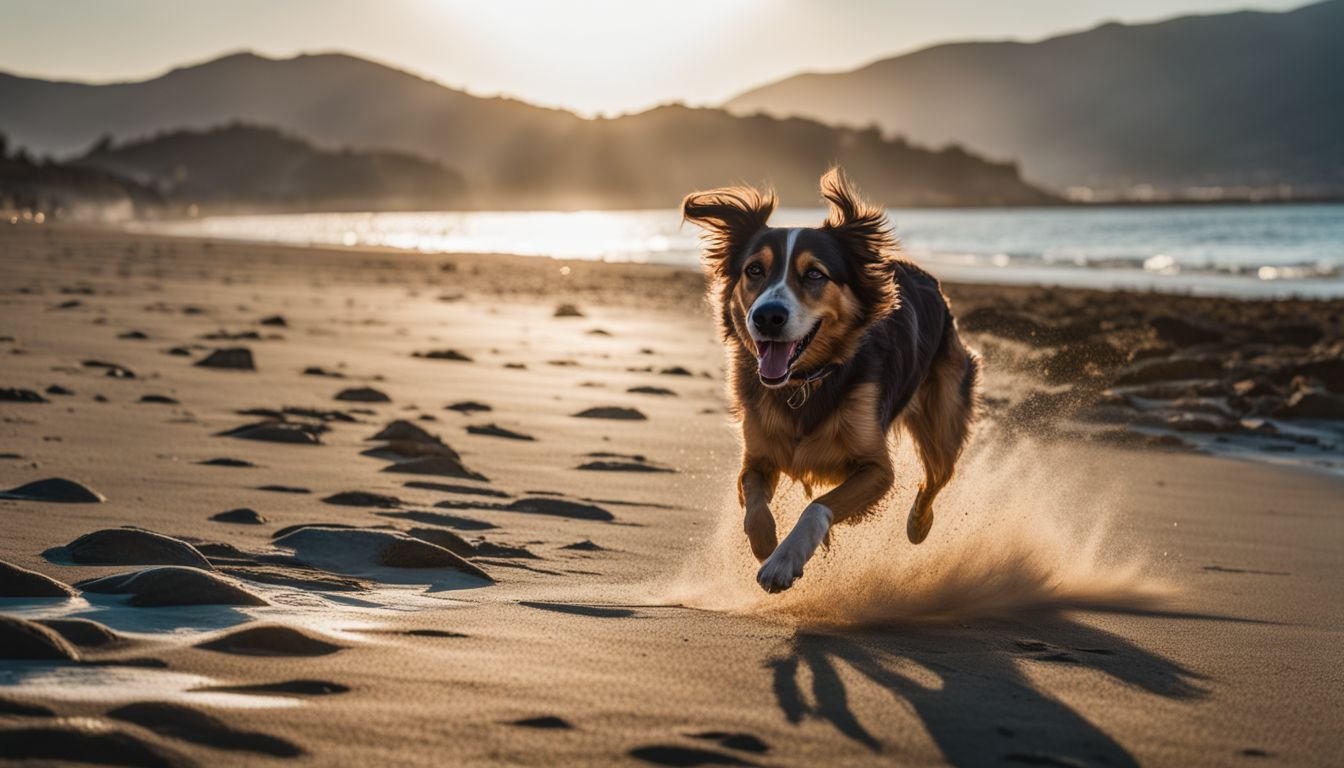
(832, 338)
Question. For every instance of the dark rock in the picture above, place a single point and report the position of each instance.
(608, 465)
(240, 516)
(227, 462)
(133, 546)
(675, 370)
(364, 499)
(587, 545)
(337, 548)
(57, 389)
(1170, 369)
(1183, 332)
(661, 391)
(158, 399)
(612, 412)
(1312, 404)
(173, 585)
(444, 354)
(405, 430)
(469, 490)
(468, 406)
(176, 721)
(21, 582)
(317, 370)
(276, 432)
(568, 310)
(133, 335)
(82, 632)
(112, 370)
(548, 722)
(275, 320)
(270, 640)
(283, 489)
(559, 508)
(13, 395)
(23, 640)
(232, 358)
(362, 395)
(494, 430)
(54, 489)
(440, 465)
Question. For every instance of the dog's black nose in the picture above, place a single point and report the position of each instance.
(770, 318)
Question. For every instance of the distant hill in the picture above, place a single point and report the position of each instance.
(254, 167)
(69, 192)
(1242, 98)
(511, 154)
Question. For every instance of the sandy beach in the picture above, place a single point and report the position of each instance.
(481, 510)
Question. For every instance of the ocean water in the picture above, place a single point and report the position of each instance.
(1265, 250)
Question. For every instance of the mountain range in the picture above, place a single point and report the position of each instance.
(1249, 99)
(509, 154)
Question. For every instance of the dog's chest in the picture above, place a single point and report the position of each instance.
(820, 445)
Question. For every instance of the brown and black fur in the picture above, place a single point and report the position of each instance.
(887, 341)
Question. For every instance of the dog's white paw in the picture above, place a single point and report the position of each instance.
(781, 569)
(785, 564)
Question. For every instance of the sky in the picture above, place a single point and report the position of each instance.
(593, 57)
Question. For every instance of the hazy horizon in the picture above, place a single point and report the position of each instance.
(703, 52)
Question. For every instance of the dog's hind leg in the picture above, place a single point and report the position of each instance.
(939, 420)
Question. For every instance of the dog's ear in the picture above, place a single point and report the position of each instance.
(862, 226)
(863, 229)
(730, 217)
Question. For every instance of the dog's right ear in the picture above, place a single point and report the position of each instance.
(730, 217)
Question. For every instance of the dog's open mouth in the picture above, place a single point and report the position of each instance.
(776, 358)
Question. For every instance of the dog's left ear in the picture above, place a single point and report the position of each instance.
(861, 225)
(730, 217)
(863, 229)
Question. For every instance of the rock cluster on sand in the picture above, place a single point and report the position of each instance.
(21, 582)
(416, 451)
(362, 395)
(15, 395)
(355, 550)
(277, 432)
(173, 585)
(240, 516)
(132, 546)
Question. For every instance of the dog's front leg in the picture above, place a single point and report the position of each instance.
(755, 489)
(856, 495)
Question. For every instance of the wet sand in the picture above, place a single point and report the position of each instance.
(381, 567)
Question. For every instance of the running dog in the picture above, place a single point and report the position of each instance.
(832, 339)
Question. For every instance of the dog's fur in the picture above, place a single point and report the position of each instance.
(883, 347)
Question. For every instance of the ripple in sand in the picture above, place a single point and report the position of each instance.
(158, 400)
(742, 742)
(666, 754)
(21, 582)
(173, 585)
(560, 508)
(230, 358)
(129, 546)
(494, 430)
(176, 721)
(283, 489)
(469, 490)
(615, 462)
(54, 489)
(612, 412)
(24, 640)
(270, 640)
(438, 518)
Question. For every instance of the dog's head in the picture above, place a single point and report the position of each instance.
(797, 299)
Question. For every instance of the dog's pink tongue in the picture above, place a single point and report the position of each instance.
(775, 358)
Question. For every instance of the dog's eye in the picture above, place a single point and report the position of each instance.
(755, 270)
(815, 274)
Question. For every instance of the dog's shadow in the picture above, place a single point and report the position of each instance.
(982, 709)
